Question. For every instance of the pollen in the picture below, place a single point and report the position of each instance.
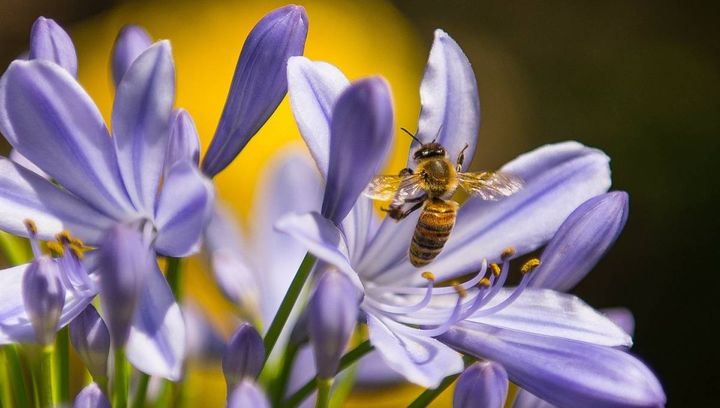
(31, 226)
(507, 253)
(428, 275)
(64, 237)
(495, 269)
(485, 282)
(459, 289)
(55, 248)
(530, 265)
(78, 250)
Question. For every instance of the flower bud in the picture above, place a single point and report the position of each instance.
(91, 397)
(483, 384)
(333, 313)
(91, 339)
(248, 394)
(244, 355)
(44, 298)
(125, 260)
(131, 41)
(48, 41)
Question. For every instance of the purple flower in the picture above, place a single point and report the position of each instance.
(91, 397)
(412, 322)
(259, 83)
(91, 340)
(248, 394)
(44, 298)
(50, 120)
(483, 384)
(244, 356)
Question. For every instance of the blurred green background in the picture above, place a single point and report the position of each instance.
(638, 79)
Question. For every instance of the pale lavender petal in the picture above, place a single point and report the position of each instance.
(141, 122)
(526, 399)
(360, 138)
(359, 227)
(44, 297)
(248, 394)
(156, 345)
(584, 238)
(91, 340)
(18, 158)
(622, 317)
(15, 325)
(566, 373)
(388, 247)
(558, 178)
(184, 143)
(244, 355)
(450, 105)
(51, 120)
(549, 313)
(290, 183)
(374, 372)
(422, 360)
(48, 41)
(25, 195)
(313, 88)
(259, 83)
(332, 315)
(483, 384)
(131, 41)
(204, 343)
(183, 209)
(91, 397)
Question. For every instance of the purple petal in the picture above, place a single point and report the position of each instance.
(25, 195)
(259, 83)
(156, 345)
(183, 209)
(91, 340)
(549, 313)
(91, 397)
(526, 399)
(333, 312)
(204, 342)
(483, 384)
(48, 41)
(244, 355)
(558, 178)
(15, 325)
(18, 158)
(321, 237)
(131, 41)
(184, 143)
(359, 227)
(374, 372)
(141, 122)
(360, 138)
(449, 97)
(44, 297)
(581, 241)
(563, 372)
(248, 394)
(48, 118)
(388, 247)
(313, 88)
(422, 360)
(621, 317)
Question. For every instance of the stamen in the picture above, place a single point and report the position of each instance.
(428, 275)
(460, 290)
(55, 248)
(495, 269)
(63, 237)
(394, 309)
(31, 227)
(507, 253)
(508, 300)
(32, 231)
(529, 266)
(485, 282)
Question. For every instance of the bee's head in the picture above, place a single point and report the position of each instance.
(429, 150)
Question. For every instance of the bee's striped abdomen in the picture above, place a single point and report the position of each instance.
(432, 231)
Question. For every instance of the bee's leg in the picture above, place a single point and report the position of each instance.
(407, 171)
(397, 214)
(461, 158)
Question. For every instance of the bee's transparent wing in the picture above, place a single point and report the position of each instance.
(490, 185)
(395, 188)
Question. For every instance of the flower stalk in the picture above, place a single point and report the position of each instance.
(62, 366)
(120, 380)
(429, 395)
(42, 374)
(173, 274)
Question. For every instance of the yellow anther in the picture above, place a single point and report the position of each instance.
(78, 250)
(55, 248)
(484, 282)
(529, 266)
(507, 253)
(31, 226)
(459, 289)
(63, 237)
(495, 269)
(429, 276)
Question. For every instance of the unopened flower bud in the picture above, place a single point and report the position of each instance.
(91, 397)
(129, 44)
(248, 394)
(244, 355)
(333, 312)
(91, 339)
(125, 259)
(48, 41)
(483, 384)
(44, 298)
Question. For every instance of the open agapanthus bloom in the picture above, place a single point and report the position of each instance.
(536, 334)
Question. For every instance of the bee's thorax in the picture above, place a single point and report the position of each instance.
(439, 177)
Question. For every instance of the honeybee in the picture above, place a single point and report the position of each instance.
(431, 186)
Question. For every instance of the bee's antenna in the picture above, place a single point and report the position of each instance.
(411, 135)
(437, 134)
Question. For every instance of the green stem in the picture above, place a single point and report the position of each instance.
(141, 392)
(62, 366)
(15, 373)
(280, 384)
(287, 304)
(346, 361)
(324, 386)
(173, 274)
(43, 376)
(13, 248)
(427, 396)
(120, 380)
